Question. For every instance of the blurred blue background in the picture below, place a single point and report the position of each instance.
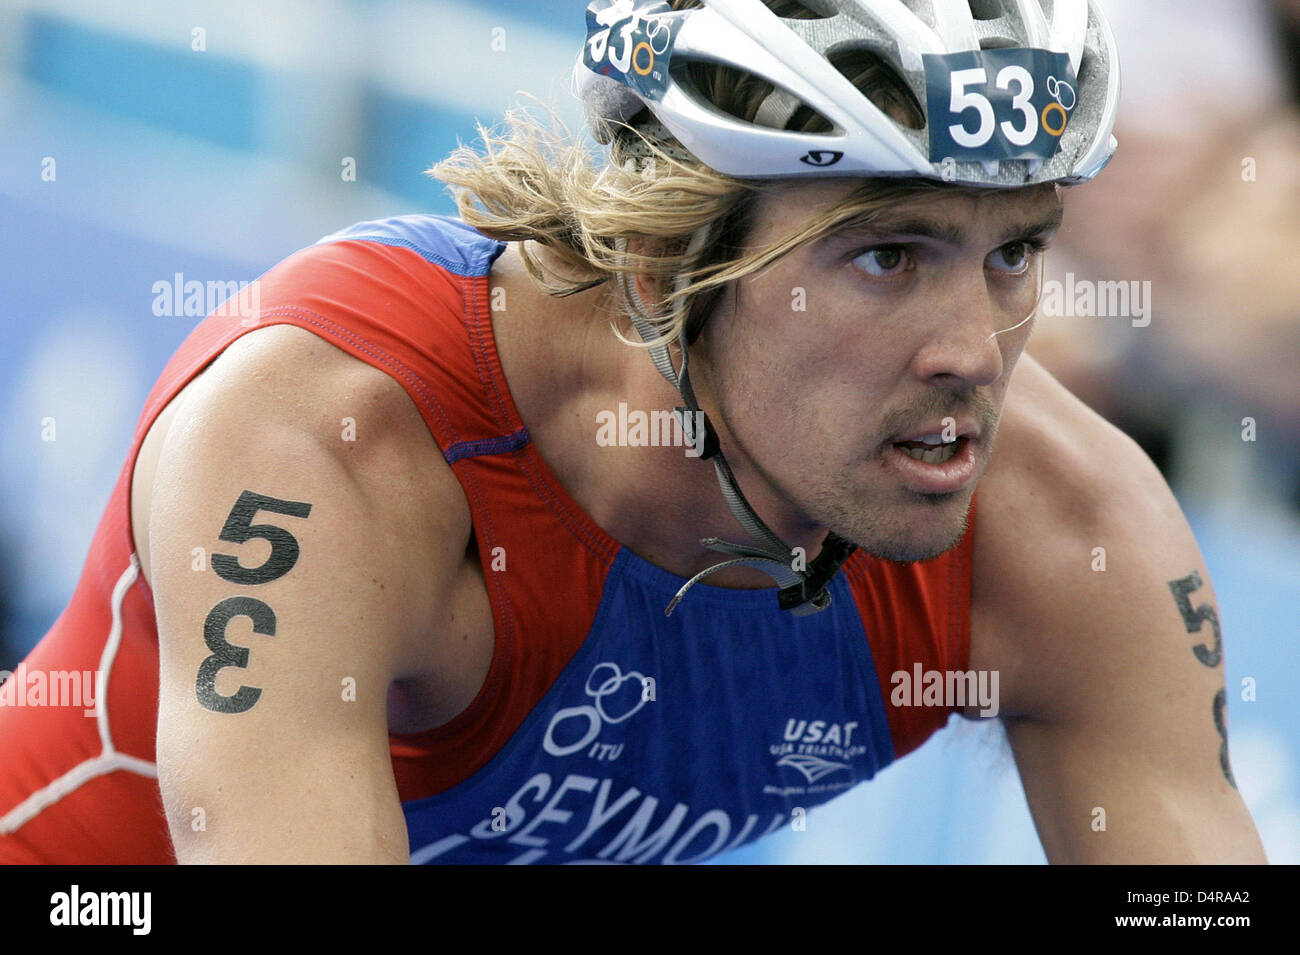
(142, 139)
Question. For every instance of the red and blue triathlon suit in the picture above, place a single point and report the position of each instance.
(569, 752)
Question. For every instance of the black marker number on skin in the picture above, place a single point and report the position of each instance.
(284, 554)
(224, 654)
(239, 528)
(1220, 703)
(1194, 617)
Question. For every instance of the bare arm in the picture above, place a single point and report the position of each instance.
(1093, 600)
(320, 583)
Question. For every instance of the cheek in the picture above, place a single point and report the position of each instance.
(1012, 343)
(801, 412)
(825, 370)
(791, 326)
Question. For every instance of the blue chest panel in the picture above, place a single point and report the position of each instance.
(669, 740)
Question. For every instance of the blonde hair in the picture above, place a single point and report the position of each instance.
(532, 180)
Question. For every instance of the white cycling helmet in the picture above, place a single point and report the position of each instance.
(1013, 92)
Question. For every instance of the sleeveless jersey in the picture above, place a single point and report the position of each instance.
(604, 731)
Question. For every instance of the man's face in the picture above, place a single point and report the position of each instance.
(833, 369)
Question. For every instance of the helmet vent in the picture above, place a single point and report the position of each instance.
(747, 97)
(986, 9)
(803, 9)
(881, 84)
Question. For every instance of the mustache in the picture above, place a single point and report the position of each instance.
(943, 403)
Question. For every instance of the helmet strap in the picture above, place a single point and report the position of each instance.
(803, 590)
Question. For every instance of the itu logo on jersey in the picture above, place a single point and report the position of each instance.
(615, 698)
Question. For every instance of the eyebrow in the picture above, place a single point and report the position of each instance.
(886, 225)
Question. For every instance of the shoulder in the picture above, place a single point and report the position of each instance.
(1057, 460)
(407, 293)
(288, 395)
(285, 414)
(440, 240)
(301, 379)
(1074, 523)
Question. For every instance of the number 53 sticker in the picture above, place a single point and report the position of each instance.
(998, 104)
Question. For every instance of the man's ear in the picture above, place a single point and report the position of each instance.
(650, 288)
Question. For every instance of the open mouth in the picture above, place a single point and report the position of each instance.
(931, 449)
(930, 465)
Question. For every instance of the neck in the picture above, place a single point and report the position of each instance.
(578, 388)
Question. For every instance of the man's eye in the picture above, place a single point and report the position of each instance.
(1014, 257)
(883, 261)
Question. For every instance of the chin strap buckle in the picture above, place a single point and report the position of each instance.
(809, 595)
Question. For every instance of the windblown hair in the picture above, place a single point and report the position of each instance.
(534, 181)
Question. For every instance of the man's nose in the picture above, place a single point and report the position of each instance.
(964, 341)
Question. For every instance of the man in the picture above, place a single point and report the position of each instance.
(398, 598)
